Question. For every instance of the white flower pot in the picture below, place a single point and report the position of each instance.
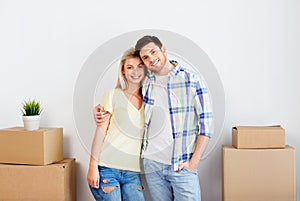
(31, 122)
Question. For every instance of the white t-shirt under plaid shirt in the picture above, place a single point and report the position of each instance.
(189, 107)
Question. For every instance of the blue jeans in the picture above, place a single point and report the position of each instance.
(165, 184)
(128, 186)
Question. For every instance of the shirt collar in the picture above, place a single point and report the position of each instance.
(174, 72)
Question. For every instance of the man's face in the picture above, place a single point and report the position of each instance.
(153, 57)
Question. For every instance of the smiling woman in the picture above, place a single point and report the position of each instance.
(99, 70)
(115, 152)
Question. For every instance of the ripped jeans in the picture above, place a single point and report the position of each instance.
(118, 185)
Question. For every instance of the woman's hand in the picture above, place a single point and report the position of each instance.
(93, 176)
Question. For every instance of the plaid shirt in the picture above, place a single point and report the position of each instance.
(190, 111)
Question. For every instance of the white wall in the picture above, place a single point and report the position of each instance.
(254, 45)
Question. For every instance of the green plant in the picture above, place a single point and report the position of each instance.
(31, 107)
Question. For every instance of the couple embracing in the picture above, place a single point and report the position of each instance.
(156, 121)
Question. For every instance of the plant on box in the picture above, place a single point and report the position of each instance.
(31, 110)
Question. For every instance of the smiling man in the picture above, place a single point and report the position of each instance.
(178, 124)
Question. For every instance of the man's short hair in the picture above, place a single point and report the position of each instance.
(145, 40)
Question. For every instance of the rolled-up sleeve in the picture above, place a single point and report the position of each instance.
(203, 108)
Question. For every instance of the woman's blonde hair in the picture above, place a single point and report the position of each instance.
(122, 82)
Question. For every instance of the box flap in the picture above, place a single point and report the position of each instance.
(275, 127)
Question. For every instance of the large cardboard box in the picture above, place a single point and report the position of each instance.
(54, 182)
(258, 137)
(259, 174)
(40, 147)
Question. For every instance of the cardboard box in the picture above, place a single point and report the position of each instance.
(259, 174)
(258, 137)
(40, 147)
(54, 182)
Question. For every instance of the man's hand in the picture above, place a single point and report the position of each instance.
(100, 115)
(188, 165)
(192, 164)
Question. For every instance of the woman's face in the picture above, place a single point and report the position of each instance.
(134, 70)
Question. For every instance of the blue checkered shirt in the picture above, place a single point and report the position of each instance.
(189, 107)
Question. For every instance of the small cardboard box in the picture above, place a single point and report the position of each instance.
(54, 182)
(259, 174)
(258, 137)
(40, 147)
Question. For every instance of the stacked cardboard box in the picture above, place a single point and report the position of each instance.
(53, 182)
(258, 137)
(40, 147)
(258, 165)
(32, 166)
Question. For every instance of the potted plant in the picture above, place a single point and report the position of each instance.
(31, 110)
